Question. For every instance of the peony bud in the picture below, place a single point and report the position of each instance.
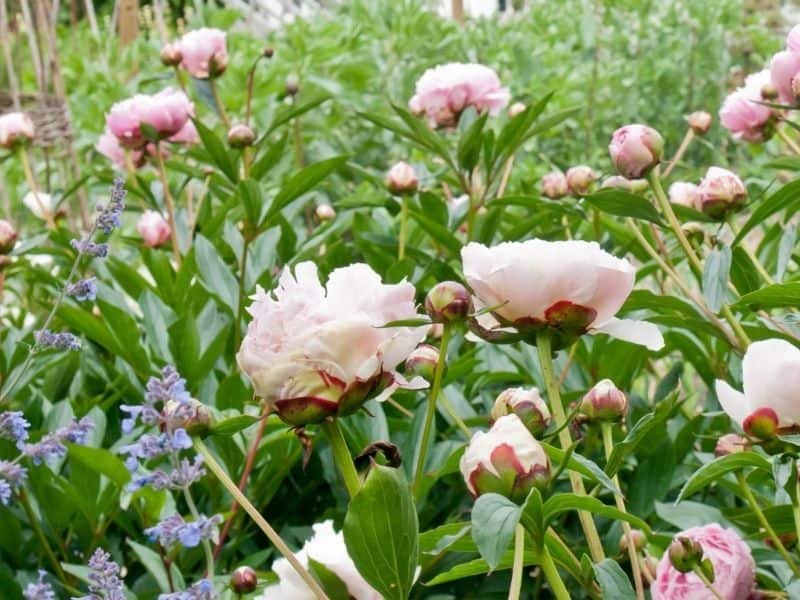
(769, 92)
(244, 580)
(402, 179)
(171, 55)
(580, 180)
(639, 540)
(325, 212)
(153, 228)
(506, 460)
(731, 443)
(527, 404)
(8, 237)
(292, 84)
(761, 423)
(515, 109)
(268, 52)
(721, 191)
(685, 554)
(618, 182)
(204, 53)
(191, 415)
(422, 361)
(554, 185)
(685, 194)
(241, 136)
(635, 150)
(448, 301)
(700, 122)
(15, 128)
(604, 402)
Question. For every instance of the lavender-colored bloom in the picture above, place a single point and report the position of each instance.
(84, 289)
(12, 476)
(202, 590)
(52, 444)
(13, 426)
(147, 414)
(110, 216)
(40, 590)
(105, 583)
(171, 386)
(76, 432)
(152, 446)
(175, 529)
(59, 341)
(180, 478)
(90, 248)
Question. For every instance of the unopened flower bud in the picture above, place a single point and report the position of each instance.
(635, 150)
(761, 423)
(292, 84)
(241, 136)
(604, 402)
(191, 415)
(686, 194)
(244, 580)
(721, 191)
(325, 212)
(515, 109)
(422, 361)
(769, 92)
(685, 554)
(448, 301)
(731, 443)
(581, 179)
(527, 404)
(15, 128)
(8, 237)
(634, 186)
(402, 179)
(171, 55)
(639, 540)
(268, 52)
(700, 122)
(554, 185)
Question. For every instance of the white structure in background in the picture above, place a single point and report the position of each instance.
(472, 8)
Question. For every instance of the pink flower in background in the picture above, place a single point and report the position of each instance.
(700, 122)
(686, 194)
(443, 92)
(784, 68)
(8, 237)
(153, 228)
(793, 39)
(108, 145)
(635, 150)
(720, 191)
(15, 128)
(313, 351)
(554, 185)
(204, 53)
(734, 569)
(186, 135)
(581, 179)
(402, 178)
(742, 115)
(167, 112)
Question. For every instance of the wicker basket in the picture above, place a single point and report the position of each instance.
(50, 116)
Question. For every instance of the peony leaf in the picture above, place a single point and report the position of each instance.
(623, 204)
(494, 520)
(716, 469)
(613, 581)
(715, 277)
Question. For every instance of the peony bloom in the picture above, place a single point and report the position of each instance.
(327, 548)
(8, 237)
(443, 92)
(700, 122)
(15, 128)
(771, 378)
(784, 68)
(527, 404)
(167, 113)
(571, 287)
(742, 115)
(721, 191)
(793, 39)
(153, 228)
(580, 179)
(402, 179)
(686, 194)
(505, 460)
(635, 150)
(734, 569)
(108, 145)
(204, 53)
(554, 185)
(315, 351)
(40, 204)
(186, 135)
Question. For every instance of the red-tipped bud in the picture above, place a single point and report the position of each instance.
(171, 55)
(402, 179)
(761, 424)
(241, 136)
(581, 180)
(527, 404)
(244, 580)
(422, 361)
(639, 540)
(731, 443)
(325, 212)
(685, 554)
(604, 402)
(447, 302)
(8, 237)
(700, 122)
(554, 185)
(635, 150)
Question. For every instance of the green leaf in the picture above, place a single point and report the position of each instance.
(716, 469)
(215, 274)
(233, 425)
(532, 517)
(480, 567)
(216, 150)
(269, 159)
(286, 115)
(249, 194)
(381, 532)
(331, 583)
(613, 581)
(715, 277)
(582, 465)
(440, 234)
(777, 295)
(101, 461)
(153, 564)
(638, 434)
(624, 204)
(786, 197)
(785, 250)
(494, 520)
(470, 143)
(559, 503)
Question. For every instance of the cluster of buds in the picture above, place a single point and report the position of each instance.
(720, 192)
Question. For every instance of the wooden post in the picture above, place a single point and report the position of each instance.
(458, 11)
(128, 21)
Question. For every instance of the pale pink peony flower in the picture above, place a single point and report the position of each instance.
(742, 115)
(204, 53)
(686, 194)
(581, 179)
(15, 128)
(635, 150)
(327, 548)
(443, 92)
(108, 145)
(793, 39)
(572, 286)
(734, 569)
(402, 178)
(153, 228)
(783, 68)
(186, 135)
(314, 351)
(554, 185)
(505, 460)
(720, 191)
(8, 237)
(167, 112)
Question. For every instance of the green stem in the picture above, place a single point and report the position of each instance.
(448, 407)
(551, 384)
(342, 457)
(796, 508)
(751, 500)
(430, 415)
(237, 333)
(608, 446)
(687, 139)
(744, 339)
(218, 101)
(162, 173)
(702, 576)
(518, 565)
(401, 242)
(212, 463)
(759, 267)
(37, 530)
(187, 494)
(551, 573)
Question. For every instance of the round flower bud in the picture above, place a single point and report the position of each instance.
(554, 185)
(685, 194)
(761, 423)
(580, 180)
(700, 122)
(604, 402)
(191, 415)
(731, 443)
(292, 84)
(402, 179)
(639, 541)
(635, 150)
(15, 128)
(171, 55)
(422, 361)
(325, 212)
(204, 52)
(241, 136)
(506, 460)
(268, 52)
(8, 237)
(685, 554)
(244, 580)
(769, 92)
(527, 404)
(721, 191)
(515, 109)
(448, 301)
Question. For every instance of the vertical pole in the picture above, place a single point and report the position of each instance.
(128, 21)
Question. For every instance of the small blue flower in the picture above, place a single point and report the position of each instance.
(40, 590)
(202, 590)
(13, 426)
(104, 581)
(84, 289)
(180, 439)
(90, 248)
(110, 216)
(59, 341)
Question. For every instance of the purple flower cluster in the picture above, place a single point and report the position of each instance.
(184, 475)
(83, 289)
(175, 529)
(152, 446)
(12, 476)
(60, 341)
(202, 590)
(13, 426)
(52, 444)
(40, 590)
(90, 248)
(110, 216)
(105, 583)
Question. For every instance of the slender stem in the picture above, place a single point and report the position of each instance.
(501, 189)
(298, 143)
(518, 565)
(258, 519)
(744, 339)
(401, 242)
(47, 213)
(450, 410)
(162, 172)
(553, 578)
(37, 530)
(756, 263)
(237, 333)
(687, 139)
(751, 500)
(218, 101)
(180, 79)
(702, 576)
(608, 446)
(430, 415)
(788, 141)
(796, 508)
(551, 384)
(187, 494)
(342, 456)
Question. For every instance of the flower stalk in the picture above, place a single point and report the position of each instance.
(341, 456)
